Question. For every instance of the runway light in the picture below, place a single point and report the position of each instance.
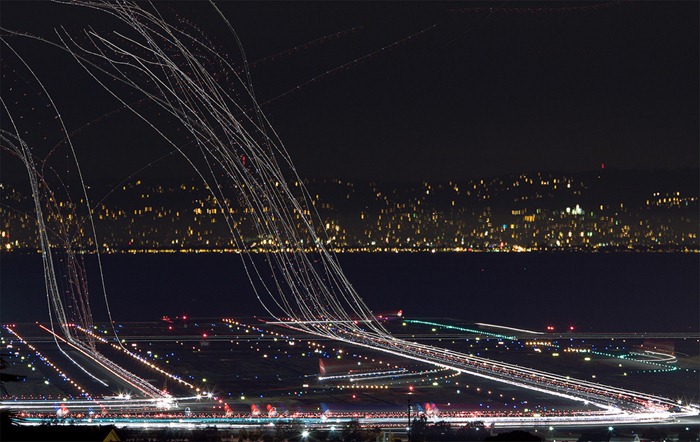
(305, 434)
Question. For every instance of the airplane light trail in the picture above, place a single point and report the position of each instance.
(613, 399)
(138, 358)
(510, 328)
(131, 379)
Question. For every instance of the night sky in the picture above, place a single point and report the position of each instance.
(479, 89)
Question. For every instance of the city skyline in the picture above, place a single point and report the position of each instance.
(604, 210)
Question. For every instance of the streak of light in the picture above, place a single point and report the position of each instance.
(483, 324)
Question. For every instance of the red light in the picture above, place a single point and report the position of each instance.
(354, 397)
(204, 335)
(170, 327)
(184, 317)
(571, 328)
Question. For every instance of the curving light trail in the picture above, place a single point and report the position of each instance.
(73, 296)
(302, 283)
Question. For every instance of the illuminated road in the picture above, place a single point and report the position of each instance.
(384, 420)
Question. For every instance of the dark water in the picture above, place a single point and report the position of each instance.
(597, 292)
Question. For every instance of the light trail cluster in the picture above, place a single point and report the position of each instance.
(157, 61)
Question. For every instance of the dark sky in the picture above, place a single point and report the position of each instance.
(486, 89)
